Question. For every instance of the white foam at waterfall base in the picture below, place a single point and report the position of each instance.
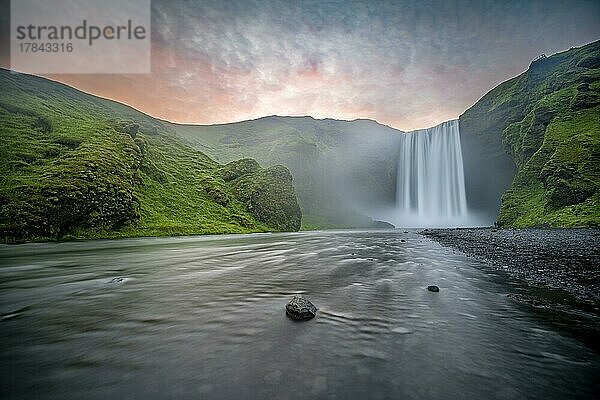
(430, 186)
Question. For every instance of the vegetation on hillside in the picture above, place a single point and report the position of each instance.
(267, 193)
(77, 166)
(549, 123)
(342, 169)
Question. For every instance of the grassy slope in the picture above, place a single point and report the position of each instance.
(77, 166)
(549, 117)
(340, 168)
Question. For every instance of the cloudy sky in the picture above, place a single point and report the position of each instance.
(408, 64)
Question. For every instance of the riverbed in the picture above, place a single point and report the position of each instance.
(204, 317)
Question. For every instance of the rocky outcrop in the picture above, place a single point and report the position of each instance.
(382, 225)
(268, 193)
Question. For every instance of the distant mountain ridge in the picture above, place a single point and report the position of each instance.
(343, 170)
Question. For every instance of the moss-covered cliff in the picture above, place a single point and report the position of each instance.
(267, 193)
(73, 165)
(545, 124)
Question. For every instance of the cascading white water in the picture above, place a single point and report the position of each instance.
(430, 188)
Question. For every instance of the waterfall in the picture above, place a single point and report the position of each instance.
(430, 188)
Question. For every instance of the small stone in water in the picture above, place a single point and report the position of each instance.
(433, 288)
(300, 308)
(403, 241)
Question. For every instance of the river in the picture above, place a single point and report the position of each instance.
(204, 318)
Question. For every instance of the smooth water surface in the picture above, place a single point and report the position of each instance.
(203, 318)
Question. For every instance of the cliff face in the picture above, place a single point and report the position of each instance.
(77, 166)
(489, 170)
(536, 138)
(267, 193)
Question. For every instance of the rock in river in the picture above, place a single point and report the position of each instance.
(300, 308)
(433, 288)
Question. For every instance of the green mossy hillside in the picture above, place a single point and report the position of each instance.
(77, 166)
(548, 120)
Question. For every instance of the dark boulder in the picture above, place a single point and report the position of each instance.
(300, 308)
(433, 288)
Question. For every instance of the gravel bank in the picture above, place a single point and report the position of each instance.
(567, 259)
